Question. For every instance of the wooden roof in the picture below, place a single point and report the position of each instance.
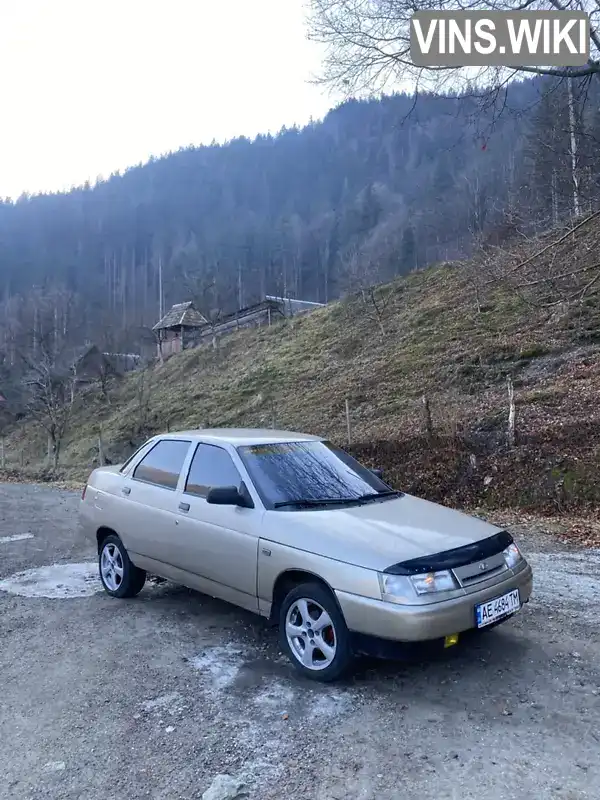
(248, 310)
(181, 315)
(71, 358)
(294, 305)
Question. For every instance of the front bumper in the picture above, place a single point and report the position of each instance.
(423, 623)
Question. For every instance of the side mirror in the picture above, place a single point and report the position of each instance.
(378, 473)
(229, 496)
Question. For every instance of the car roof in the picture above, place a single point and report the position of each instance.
(241, 436)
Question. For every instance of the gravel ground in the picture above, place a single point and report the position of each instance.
(151, 698)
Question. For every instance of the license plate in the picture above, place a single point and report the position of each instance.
(499, 607)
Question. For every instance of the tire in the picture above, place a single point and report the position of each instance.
(312, 600)
(124, 579)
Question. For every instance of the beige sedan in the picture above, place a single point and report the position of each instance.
(292, 528)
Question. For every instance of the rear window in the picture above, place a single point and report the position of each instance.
(163, 464)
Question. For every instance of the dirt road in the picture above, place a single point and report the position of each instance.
(151, 698)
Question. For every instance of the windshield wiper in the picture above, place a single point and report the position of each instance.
(326, 501)
(383, 493)
(323, 501)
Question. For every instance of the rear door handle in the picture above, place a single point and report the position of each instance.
(126, 490)
(184, 506)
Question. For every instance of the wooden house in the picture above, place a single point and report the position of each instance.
(183, 326)
(88, 364)
(178, 329)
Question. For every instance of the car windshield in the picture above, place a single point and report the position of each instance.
(313, 473)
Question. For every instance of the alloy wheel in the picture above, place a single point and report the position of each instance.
(111, 566)
(310, 634)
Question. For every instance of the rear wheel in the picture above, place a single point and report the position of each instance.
(313, 633)
(119, 576)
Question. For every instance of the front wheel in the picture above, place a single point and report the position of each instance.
(119, 576)
(313, 633)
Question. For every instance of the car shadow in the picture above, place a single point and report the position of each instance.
(481, 659)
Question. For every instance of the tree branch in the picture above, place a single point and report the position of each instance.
(549, 246)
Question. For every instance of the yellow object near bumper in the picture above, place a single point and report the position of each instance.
(450, 640)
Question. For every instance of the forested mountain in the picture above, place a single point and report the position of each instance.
(376, 189)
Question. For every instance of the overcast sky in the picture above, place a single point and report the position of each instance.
(91, 86)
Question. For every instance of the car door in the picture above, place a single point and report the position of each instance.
(150, 506)
(218, 543)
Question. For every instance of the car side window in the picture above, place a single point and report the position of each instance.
(162, 465)
(132, 457)
(211, 467)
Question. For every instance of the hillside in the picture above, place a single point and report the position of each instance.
(372, 191)
(452, 332)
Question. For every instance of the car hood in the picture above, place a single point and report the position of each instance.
(379, 533)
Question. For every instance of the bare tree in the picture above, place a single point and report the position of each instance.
(362, 277)
(377, 299)
(143, 396)
(560, 154)
(50, 394)
(368, 46)
(573, 151)
(6, 419)
(546, 276)
(105, 373)
(214, 317)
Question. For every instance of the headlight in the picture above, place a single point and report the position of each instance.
(395, 588)
(433, 582)
(512, 555)
(402, 588)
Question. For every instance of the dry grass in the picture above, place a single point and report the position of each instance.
(436, 341)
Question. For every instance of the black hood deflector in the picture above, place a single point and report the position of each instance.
(458, 557)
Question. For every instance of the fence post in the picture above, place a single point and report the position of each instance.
(427, 417)
(511, 412)
(100, 448)
(2, 454)
(348, 427)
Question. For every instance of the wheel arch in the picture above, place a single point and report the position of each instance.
(103, 533)
(288, 580)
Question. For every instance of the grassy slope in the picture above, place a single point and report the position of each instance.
(434, 342)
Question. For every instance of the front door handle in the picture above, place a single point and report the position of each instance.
(126, 490)
(184, 506)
